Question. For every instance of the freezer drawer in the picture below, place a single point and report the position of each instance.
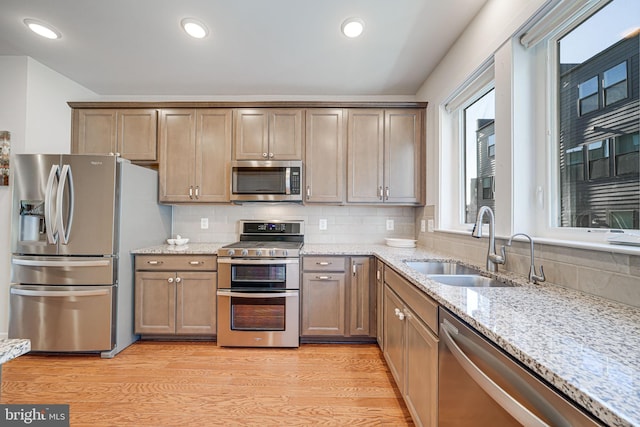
(63, 318)
(70, 271)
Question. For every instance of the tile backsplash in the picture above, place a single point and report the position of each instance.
(345, 224)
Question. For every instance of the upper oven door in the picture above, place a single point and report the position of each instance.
(258, 274)
(266, 181)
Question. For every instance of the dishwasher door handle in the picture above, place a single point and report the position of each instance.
(504, 399)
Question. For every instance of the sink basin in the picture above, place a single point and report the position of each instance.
(468, 280)
(440, 267)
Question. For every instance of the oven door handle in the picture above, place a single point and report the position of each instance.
(227, 293)
(270, 261)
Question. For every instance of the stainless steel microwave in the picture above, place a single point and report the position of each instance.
(266, 181)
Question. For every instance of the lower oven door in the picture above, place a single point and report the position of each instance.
(63, 318)
(258, 319)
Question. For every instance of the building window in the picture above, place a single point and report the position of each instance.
(588, 96)
(614, 84)
(598, 159)
(598, 152)
(627, 160)
(479, 125)
(491, 145)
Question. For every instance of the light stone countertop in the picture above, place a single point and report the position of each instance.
(586, 346)
(12, 348)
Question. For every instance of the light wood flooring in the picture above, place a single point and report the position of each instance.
(200, 384)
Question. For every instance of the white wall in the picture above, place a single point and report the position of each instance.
(33, 107)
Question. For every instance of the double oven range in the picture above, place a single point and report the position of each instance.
(259, 286)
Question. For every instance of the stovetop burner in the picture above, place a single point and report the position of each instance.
(268, 239)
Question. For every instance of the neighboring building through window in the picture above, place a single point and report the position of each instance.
(598, 141)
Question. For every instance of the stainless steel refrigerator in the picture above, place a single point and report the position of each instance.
(75, 220)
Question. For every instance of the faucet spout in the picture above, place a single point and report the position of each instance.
(493, 259)
(533, 275)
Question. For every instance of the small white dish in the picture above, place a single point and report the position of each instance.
(181, 241)
(400, 243)
(171, 241)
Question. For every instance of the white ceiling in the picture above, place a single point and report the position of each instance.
(255, 47)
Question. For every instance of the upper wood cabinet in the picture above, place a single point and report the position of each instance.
(130, 133)
(325, 155)
(385, 156)
(268, 134)
(195, 150)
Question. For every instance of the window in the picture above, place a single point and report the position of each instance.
(614, 84)
(491, 145)
(478, 121)
(597, 146)
(588, 96)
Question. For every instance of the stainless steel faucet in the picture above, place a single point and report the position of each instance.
(533, 276)
(493, 259)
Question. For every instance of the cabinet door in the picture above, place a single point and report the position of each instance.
(394, 336)
(213, 154)
(360, 297)
(155, 303)
(403, 156)
(323, 304)
(137, 134)
(379, 303)
(285, 135)
(177, 154)
(365, 157)
(324, 151)
(251, 134)
(421, 372)
(196, 303)
(94, 131)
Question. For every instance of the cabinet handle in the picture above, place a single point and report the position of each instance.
(191, 192)
(154, 262)
(386, 190)
(264, 155)
(353, 268)
(380, 192)
(378, 275)
(196, 262)
(323, 263)
(308, 192)
(178, 280)
(323, 277)
(197, 192)
(170, 280)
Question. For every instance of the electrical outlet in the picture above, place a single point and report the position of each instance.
(430, 226)
(423, 225)
(322, 224)
(204, 223)
(389, 224)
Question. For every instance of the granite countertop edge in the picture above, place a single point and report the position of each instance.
(10, 348)
(590, 350)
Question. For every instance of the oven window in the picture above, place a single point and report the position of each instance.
(259, 276)
(258, 314)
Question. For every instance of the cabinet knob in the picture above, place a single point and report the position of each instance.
(264, 155)
(178, 280)
(170, 280)
(271, 155)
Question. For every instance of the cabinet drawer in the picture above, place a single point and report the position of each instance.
(425, 307)
(184, 262)
(324, 263)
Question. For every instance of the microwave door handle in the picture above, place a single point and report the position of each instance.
(287, 181)
(65, 176)
(49, 207)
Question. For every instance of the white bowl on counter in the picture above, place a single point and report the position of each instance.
(179, 241)
(400, 243)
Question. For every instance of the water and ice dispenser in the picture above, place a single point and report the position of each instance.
(32, 224)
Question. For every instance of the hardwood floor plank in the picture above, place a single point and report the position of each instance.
(200, 384)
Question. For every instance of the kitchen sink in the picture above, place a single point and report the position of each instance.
(440, 267)
(468, 280)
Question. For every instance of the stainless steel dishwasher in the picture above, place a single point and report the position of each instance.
(480, 385)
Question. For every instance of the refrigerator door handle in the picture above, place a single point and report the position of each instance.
(65, 231)
(50, 213)
(32, 293)
(49, 263)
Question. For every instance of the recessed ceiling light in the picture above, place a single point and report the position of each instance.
(42, 29)
(194, 28)
(352, 27)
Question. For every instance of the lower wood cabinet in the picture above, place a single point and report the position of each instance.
(175, 295)
(411, 346)
(337, 297)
